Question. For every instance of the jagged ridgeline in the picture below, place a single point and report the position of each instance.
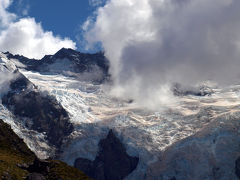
(18, 162)
(68, 62)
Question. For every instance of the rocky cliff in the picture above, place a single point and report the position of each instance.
(111, 163)
(36, 110)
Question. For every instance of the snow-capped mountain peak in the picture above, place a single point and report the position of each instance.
(92, 67)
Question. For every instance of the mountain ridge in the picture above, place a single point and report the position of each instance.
(67, 62)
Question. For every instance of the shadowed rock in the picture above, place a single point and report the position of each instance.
(40, 112)
(111, 163)
(179, 90)
(68, 62)
(237, 167)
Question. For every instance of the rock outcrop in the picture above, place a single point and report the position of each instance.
(111, 163)
(17, 161)
(67, 62)
(179, 90)
(237, 167)
(37, 111)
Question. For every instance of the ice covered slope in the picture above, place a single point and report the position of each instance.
(196, 139)
(38, 145)
(29, 111)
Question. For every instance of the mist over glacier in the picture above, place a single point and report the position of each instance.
(174, 66)
(152, 44)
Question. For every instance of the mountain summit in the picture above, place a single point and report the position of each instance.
(67, 62)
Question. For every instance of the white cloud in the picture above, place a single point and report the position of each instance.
(27, 37)
(5, 17)
(151, 43)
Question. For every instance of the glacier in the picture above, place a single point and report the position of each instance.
(197, 138)
(147, 134)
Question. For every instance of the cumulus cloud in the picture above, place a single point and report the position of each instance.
(5, 17)
(26, 37)
(154, 43)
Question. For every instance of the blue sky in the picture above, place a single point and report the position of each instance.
(63, 17)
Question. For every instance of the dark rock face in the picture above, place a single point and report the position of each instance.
(67, 62)
(40, 112)
(39, 166)
(35, 176)
(178, 90)
(237, 167)
(82, 61)
(111, 163)
(31, 64)
(39, 169)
